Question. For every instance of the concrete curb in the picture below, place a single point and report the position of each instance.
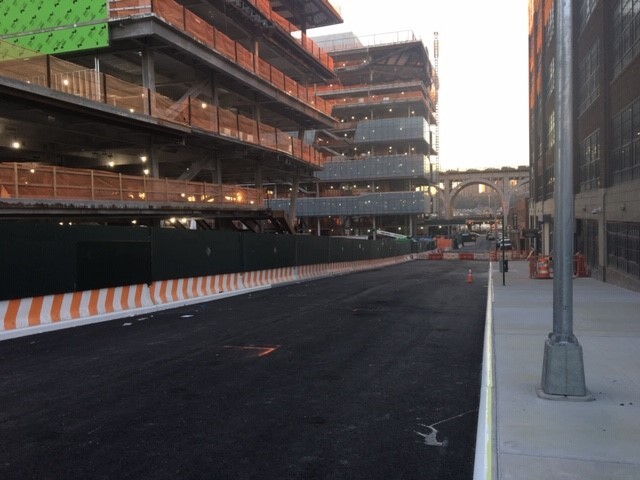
(485, 464)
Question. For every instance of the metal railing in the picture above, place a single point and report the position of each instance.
(198, 28)
(340, 44)
(56, 74)
(25, 181)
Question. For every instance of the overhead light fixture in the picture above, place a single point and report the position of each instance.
(16, 144)
(143, 158)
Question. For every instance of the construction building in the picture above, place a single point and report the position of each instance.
(382, 154)
(606, 119)
(159, 111)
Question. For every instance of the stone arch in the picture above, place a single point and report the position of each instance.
(468, 183)
(440, 193)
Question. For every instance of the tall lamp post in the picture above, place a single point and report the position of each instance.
(563, 367)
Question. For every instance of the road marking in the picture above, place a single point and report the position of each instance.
(430, 438)
(265, 350)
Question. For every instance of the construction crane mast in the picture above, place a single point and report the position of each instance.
(436, 54)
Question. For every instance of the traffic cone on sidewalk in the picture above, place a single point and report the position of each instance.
(469, 277)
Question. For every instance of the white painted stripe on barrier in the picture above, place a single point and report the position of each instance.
(102, 300)
(22, 320)
(145, 295)
(207, 285)
(187, 286)
(4, 307)
(47, 305)
(83, 310)
(180, 288)
(65, 307)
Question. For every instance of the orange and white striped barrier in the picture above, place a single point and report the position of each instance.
(48, 309)
(107, 303)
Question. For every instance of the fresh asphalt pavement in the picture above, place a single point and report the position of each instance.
(373, 375)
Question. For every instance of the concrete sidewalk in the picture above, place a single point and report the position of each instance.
(549, 439)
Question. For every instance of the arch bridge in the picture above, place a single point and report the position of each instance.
(506, 182)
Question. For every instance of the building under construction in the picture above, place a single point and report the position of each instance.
(381, 155)
(157, 111)
(182, 117)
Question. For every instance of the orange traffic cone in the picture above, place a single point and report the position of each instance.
(469, 277)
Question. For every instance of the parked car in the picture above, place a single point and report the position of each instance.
(468, 237)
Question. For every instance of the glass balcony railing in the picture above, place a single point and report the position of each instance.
(371, 168)
(391, 129)
(390, 203)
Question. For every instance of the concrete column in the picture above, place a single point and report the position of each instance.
(154, 162)
(293, 207)
(149, 78)
(259, 185)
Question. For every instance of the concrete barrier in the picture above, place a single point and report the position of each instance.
(25, 316)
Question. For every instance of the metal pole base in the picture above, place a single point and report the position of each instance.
(563, 369)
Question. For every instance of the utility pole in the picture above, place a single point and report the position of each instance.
(563, 367)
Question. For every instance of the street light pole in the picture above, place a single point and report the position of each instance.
(563, 367)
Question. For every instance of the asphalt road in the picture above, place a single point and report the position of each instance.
(373, 375)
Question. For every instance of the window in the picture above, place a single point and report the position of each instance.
(551, 130)
(589, 163)
(585, 9)
(550, 28)
(587, 242)
(625, 154)
(551, 77)
(588, 79)
(626, 33)
(623, 247)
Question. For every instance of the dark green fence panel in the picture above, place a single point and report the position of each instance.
(103, 264)
(336, 247)
(195, 253)
(262, 252)
(35, 261)
(312, 250)
(43, 259)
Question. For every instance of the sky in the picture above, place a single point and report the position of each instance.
(482, 66)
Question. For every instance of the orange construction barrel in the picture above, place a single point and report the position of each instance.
(543, 268)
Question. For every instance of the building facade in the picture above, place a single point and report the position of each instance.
(381, 155)
(606, 86)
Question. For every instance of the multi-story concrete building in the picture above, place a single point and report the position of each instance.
(606, 73)
(160, 108)
(382, 156)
